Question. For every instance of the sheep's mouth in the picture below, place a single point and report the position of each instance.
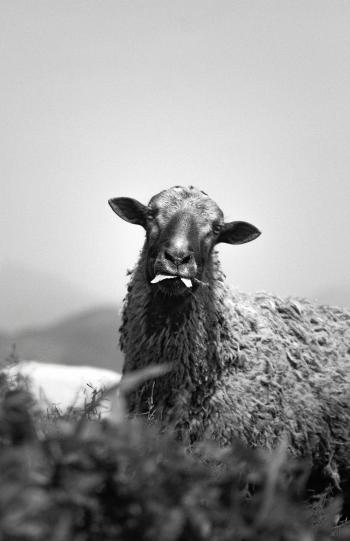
(163, 277)
(172, 284)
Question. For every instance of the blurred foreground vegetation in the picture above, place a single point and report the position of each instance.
(78, 478)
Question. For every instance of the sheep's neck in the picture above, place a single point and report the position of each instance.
(183, 331)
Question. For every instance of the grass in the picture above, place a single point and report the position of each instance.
(75, 477)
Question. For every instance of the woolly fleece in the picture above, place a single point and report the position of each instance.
(253, 367)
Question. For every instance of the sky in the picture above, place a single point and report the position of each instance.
(247, 100)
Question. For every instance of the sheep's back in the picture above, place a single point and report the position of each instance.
(292, 375)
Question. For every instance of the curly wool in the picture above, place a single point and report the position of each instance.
(253, 367)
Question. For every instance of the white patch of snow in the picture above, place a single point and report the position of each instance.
(65, 386)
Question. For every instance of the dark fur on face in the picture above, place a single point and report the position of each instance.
(182, 227)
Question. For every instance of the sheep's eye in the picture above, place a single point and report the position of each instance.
(150, 215)
(216, 229)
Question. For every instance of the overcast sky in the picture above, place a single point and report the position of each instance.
(247, 100)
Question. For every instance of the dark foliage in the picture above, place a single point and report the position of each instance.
(79, 479)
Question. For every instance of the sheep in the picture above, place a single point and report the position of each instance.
(62, 386)
(253, 367)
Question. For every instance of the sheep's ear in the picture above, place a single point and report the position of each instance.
(238, 233)
(129, 210)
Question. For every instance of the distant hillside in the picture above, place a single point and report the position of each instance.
(34, 297)
(90, 337)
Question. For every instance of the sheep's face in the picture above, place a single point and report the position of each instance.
(182, 227)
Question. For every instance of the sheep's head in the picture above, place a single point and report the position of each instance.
(182, 227)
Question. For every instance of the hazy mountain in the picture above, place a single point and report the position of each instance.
(90, 337)
(33, 297)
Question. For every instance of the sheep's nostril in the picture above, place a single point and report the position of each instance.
(176, 258)
(169, 257)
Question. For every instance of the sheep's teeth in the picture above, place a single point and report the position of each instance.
(161, 277)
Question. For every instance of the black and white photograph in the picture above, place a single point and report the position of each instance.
(174, 270)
